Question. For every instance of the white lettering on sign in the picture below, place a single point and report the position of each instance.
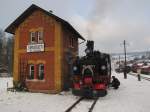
(35, 47)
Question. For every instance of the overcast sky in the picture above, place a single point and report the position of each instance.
(107, 22)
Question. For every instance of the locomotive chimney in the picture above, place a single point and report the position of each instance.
(90, 47)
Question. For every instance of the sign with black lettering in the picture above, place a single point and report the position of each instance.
(35, 48)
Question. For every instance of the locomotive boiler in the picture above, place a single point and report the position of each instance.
(91, 73)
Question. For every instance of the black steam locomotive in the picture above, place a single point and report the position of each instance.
(91, 73)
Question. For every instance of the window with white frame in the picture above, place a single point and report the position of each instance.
(31, 71)
(40, 36)
(36, 37)
(41, 72)
(32, 37)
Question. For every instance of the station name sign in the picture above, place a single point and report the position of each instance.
(35, 47)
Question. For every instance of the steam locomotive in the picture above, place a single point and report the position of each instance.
(91, 73)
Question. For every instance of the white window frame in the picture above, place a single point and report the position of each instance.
(40, 36)
(30, 71)
(41, 71)
(32, 35)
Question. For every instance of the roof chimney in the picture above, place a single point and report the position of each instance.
(50, 11)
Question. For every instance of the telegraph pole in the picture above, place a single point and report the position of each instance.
(119, 61)
(125, 61)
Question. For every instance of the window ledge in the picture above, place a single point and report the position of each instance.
(33, 42)
(36, 42)
(40, 42)
(35, 80)
(71, 46)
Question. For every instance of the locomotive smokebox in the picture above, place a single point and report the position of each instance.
(90, 46)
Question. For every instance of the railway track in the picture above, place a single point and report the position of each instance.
(78, 101)
(92, 106)
(142, 77)
(73, 105)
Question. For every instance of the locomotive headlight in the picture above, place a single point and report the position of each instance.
(80, 82)
(103, 67)
(74, 68)
(94, 92)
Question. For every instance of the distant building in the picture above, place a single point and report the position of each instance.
(44, 46)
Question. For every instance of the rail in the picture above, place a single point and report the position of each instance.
(73, 105)
(78, 101)
(92, 106)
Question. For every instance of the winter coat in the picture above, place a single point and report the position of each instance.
(115, 83)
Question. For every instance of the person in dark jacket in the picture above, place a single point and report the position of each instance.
(115, 82)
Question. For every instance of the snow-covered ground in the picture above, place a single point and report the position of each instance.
(132, 96)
